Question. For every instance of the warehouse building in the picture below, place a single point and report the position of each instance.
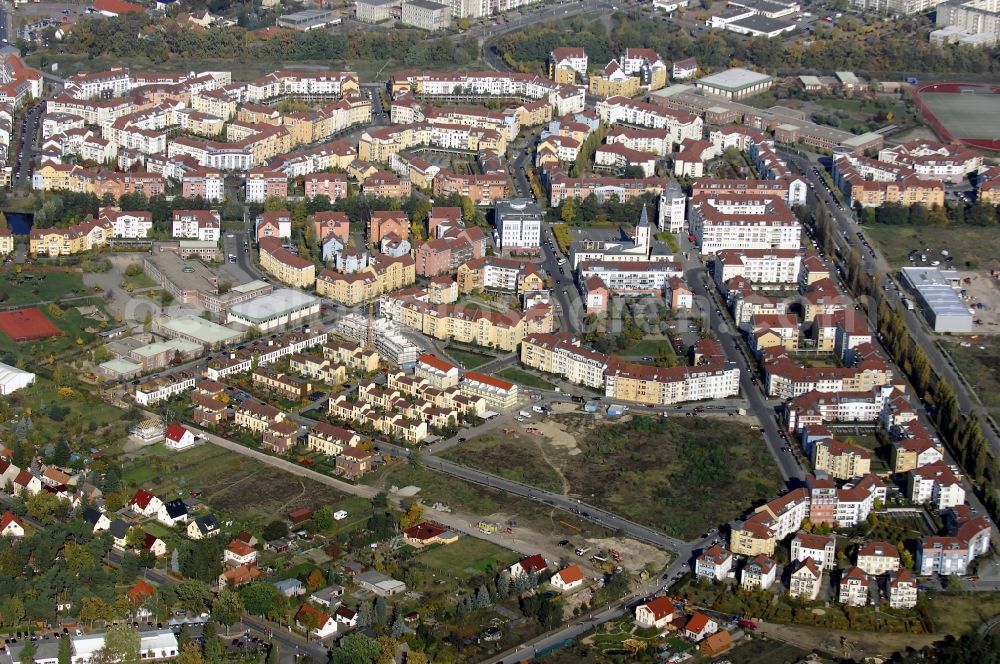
(283, 307)
(937, 294)
(426, 15)
(736, 83)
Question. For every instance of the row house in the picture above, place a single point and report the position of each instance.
(329, 439)
(318, 368)
(257, 416)
(208, 411)
(163, 387)
(280, 437)
(287, 386)
(352, 355)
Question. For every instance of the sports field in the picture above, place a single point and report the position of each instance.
(964, 112)
(27, 324)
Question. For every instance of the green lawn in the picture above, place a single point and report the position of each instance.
(465, 558)
(467, 359)
(231, 484)
(34, 287)
(141, 280)
(515, 456)
(527, 379)
(961, 613)
(652, 348)
(974, 247)
(679, 475)
(979, 366)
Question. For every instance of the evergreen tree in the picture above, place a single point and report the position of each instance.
(381, 615)
(211, 645)
(503, 584)
(28, 652)
(398, 629)
(184, 637)
(483, 598)
(274, 654)
(365, 614)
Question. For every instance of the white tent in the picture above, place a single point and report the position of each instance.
(12, 378)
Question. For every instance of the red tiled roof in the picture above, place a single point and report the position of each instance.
(118, 7)
(535, 563)
(141, 498)
(175, 432)
(436, 362)
(660, 607)
(424, 531)
(489, 380)
(9, 518)
(570, 574)
(698, 622)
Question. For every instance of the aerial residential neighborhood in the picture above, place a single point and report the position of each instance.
(568, 331)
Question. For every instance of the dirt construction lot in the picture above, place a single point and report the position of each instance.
(984, 290)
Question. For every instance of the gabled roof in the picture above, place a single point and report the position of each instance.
(176, 508)
(175, 432)
(424, 531)
(699, 621)
(208, 523)
(570, 574)
(141, 499)
(535, 563)
(660, 607)
(9, 518)
(307, 613)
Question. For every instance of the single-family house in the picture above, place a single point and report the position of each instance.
(317, 622)
(26, 484)
(329, 596)
(204, 526)
(97, 519)
(700, 626)
(346, 616)
(527, 566)
(657, 612)
(568, 578)
(173, 512)
(154, 545)
(145, 503)
(290, 587)
(11, 525)
(238, 554)
(178, 438)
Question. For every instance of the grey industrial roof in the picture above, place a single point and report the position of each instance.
(762, 24)
(935, 290)
(734, 79)
(278, 303)
(201, 329)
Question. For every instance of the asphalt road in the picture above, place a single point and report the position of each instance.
(25, 151)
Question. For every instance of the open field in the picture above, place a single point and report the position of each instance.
(974, 247)
(515, 456)
(979, 364)
(465, 558)
(231, 484)
(35, 287)
(679, 475)
(961, 613)
(764, 651)
(527, 379)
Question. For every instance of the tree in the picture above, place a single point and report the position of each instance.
(398, 629)
(412, 516)
(121, 644)
(275, 530)
(28, 652)
(47, 507)
(315, 580)
(365, 614)
(274, 653)
(483, 598)
(253, 332)
(61, 454)
(381, 615)
(258, 597)
(190, 653)
(417, 657)
(227, 608)
(323, 518)
(354, 648)
(567, 213)
(905, 557)
(211, 645)
(184, 638)
(503, 584)
(65, 650)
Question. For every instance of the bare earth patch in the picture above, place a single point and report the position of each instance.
(637, 554)
(558, 436)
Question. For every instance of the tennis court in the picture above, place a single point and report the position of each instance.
(27, 324)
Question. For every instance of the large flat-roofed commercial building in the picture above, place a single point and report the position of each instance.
(736, 83)
(308, 19)
(196, 329)
(375, 11)
(192, 282)
(282, 307)
(426, 15)
(937, 294)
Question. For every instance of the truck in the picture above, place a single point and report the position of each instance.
(524, 413)
(538, 409)
(582, 550)
(908, 303)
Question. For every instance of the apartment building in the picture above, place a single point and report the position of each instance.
(805, 581)
(131, 225)
(821, 549)
(625, 111)
(257, 416)
(840, 460)
(206, 183)
(331, 185)
(202, 225)
(715, 564)
(877, 558)
(494, 273)
(566, 63)
(71, 239)
(758, 574)
(743, 221)
(285, 266)
(564, 355)
(330, 440)
(853, 587)
(937, 484)
(902, 590)
(499, 394)
(518, 224)
(669, 385)
(263, 183)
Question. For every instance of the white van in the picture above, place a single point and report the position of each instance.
(340, 515)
